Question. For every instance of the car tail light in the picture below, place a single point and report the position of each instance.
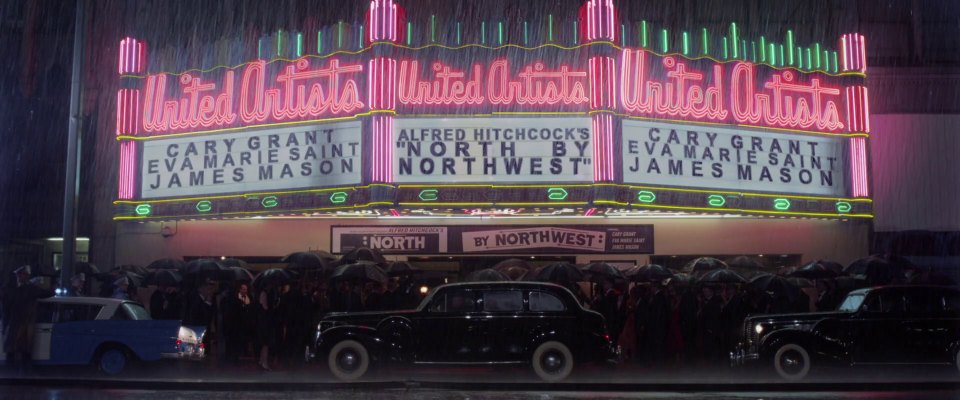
(606, 336)
(179, 343)
(202, 346)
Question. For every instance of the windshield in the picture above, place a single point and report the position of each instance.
(136, 311)
(851, 303)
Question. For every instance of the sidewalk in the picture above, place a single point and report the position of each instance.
(623, 378)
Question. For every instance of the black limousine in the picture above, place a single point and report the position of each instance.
(481, 323)
(882, 325)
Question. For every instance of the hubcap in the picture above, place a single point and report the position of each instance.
(348, 360)
(113, 361)
(552, 361)
(792, 362)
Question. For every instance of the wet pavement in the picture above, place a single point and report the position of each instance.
(26, 393)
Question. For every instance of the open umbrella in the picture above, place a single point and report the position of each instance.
(815, 270)
(162, 277)
(304, 260)
(745, 265)
(876, 270)
(651, 273)
(487, 275)
(272, 277)
(235, 274)
(802, 283)
(362, 254)
(134, 278)
(134, 268)
(324, 255)
(559, 272)
(202, 267)
(167, 263)
(360, 271)
(511, 263)
(681, 280)
(721, 276)
(775, 286)
(398, 268)
(233, 262)
(602, 269)
(703, 264)
(515, 273)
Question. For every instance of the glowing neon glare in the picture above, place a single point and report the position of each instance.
(781, 204)
(646, 196)
(716, 200)
(557, 194)
(705, 47)
(143, 209)
(686, 43)
(270, 202)
(127, 173)
(338, 197)
(844, 207)
(733, 38)
(429, 195)
(790, 45)
(204, 206)
(682, 96)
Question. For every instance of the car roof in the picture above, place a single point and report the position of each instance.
(100, 301)
(503, 284)
(904, 287)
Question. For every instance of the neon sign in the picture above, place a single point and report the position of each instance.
(295, 93)
(536, 85)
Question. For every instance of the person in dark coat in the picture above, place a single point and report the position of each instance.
(732, 313)
(20, 312)
(346, 298)
(406, 296)
(657, 319)
(237, 307)
(268, 323)
(607, 303)
(709, 324)
(78, 285)
(200, 310)
(166, 303)
(373, 298)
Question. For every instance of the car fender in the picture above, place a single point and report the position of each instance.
(538, 338)
(363, 334)
(397, 338)
(773, 340)
(828, 341)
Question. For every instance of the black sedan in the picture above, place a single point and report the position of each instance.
(482, 323)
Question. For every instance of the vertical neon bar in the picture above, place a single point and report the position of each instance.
(781, 55)
(663, 35)
(744, 43)
(279, 44)
(753, 51)
(809, 60)
(790, 45)
(550, 27)
(409, 33)
(623, 34)
(773, 54)
(319, 42)
(360, 35)
(686, 43)
(836, 68)
(726, 52)
(458, 33)
(526, 40)
(706, 43)
(433, 28)
(733, 38)
(643, 34)
(500, 32)
(816, 52)
(260, 49)
(763, 49)
(483, 32)
(299, 44)
(576, 33)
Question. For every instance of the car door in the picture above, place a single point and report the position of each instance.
(548, 316)
(500, 329)
(444, 329)
(875, 333)
(923, 328)
(43, 330)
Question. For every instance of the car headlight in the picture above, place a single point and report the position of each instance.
(758, 329)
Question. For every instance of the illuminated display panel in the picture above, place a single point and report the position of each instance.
(787, 94)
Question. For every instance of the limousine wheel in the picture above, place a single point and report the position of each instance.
(112, 360)
(348, 360)
(792, 362)
(552, 361)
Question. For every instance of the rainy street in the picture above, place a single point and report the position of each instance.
(479, 199)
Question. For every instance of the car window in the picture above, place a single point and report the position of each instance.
(923, 303)
(540, 301)
(78, 312)
(119, 315)
(136, 311)
(502, 300)
(886, 303)
(453, 301)
(45, 312)
(851, 303)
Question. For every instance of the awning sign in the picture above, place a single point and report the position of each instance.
(390, 239)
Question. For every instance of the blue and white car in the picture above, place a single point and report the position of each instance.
(108, 334)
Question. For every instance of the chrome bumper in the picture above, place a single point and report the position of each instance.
(741, 357)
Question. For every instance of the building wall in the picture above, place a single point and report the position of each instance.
(843, 241)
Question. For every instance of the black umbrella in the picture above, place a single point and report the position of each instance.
(515, 273)
(487, 275)
(398, 268)
(801, 283)
(560, 272)
(775, 286)
(324, 255)
(86, 268)
(744, 264)
(602, 269)
(511, 263)
(815, 270)
(721, 276)
(167, 263)
(203, 267)
(304, 260)
(360, 271)
(681, 280)
(134, 278)
(233, 262)
(272, 277)
(236, 274)
(651, 273)
(876, 270)
(362, 254)
(932, 278)
(163, 277)
(703, 264)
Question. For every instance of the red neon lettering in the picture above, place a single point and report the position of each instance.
(449, 87)
(191, 111)
(293, 99)
(780, 108)
(683, 95)
(536, 87)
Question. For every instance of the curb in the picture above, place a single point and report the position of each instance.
(199, 385)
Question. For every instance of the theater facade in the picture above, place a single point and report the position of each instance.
(598, 138)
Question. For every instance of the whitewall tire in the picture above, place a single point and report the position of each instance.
(792, 362)
(552, 361)
(348, 360)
